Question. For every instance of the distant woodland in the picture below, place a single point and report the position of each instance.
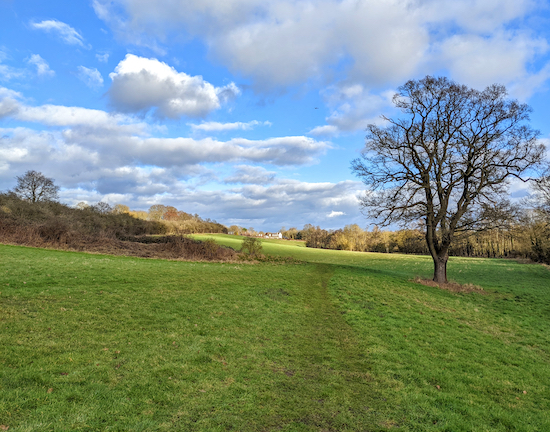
(526, 235)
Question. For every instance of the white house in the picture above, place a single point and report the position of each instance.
(273, 235)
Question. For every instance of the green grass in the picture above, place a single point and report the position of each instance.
(340, 342)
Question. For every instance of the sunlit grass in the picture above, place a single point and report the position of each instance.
(336, 341)
(94, 342)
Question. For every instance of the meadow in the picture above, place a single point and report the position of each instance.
(333, 341)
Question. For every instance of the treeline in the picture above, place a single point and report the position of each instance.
(527, 237)
(171, 220)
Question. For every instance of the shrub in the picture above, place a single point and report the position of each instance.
(251, 246)
(52, 224)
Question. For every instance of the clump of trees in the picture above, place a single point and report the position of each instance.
(527, 236)
(58, 222)
(99, 229)
(175, 222)
(30, 215)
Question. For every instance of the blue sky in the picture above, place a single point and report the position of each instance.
(244, 111)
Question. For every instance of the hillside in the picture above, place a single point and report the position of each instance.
(55, 225)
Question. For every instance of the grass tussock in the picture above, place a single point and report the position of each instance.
(57, 226)
(452, 286)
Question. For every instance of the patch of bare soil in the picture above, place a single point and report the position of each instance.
(452, 286)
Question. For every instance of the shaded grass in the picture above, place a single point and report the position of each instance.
(95, 342)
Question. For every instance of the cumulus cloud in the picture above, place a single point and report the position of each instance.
(335, 214)
(141, 84)
(373, 43)
(289, 202)
(64, 31)
(93, 140)
(114, 173)
(280, 151)
(479, 61)
(254, 37)
(222, 127)
(42, 67)
(90, 76)
(247, 174)
(352, 107)
(122, 139)
(9, 102)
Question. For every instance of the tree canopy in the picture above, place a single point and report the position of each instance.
(33, 186)
(446, 160)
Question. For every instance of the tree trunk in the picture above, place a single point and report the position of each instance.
(440, 268)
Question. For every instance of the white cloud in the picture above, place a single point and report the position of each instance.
(91, 77)
(290, 202)
(335, 214)
(102, 57)
(326, 130)
(8, 73)
(247, 174)
(64, 31)
(56, 115)
(480, 61)
(476, 16)
(141, 84)
(121, 139)
(222, 127)
(281, 151)
(42, 67)
(373, 43)
(283, 42)
(353, 107)
(9, 104)
(89, 171)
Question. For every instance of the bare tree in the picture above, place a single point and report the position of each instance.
(542, 195)
(446, 160)
(102, 208)
(33, 186)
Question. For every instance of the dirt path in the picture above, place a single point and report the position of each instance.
(324, 356)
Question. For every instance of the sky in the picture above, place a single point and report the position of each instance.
(247, 112)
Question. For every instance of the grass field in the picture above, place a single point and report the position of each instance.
(341, 341)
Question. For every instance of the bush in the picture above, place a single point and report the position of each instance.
(251, 246)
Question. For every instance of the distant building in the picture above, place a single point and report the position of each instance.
(277, 235)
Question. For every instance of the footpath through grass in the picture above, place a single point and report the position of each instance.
(447, 361)
(92, 342)
(342, 342)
